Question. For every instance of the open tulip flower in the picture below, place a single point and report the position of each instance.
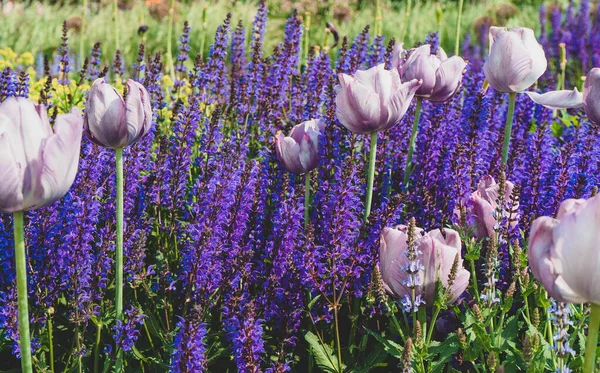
(373, 100)
(565, 99)
(38, 163)
(516, 59)
(437, 254)
(564, 257)
(114, 122)
(299, 152)
(441, 76)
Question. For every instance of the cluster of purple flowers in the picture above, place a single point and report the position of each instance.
(218, 258)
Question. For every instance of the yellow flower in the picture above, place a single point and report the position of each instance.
(26, 59)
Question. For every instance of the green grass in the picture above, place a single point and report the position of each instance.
(38, 28)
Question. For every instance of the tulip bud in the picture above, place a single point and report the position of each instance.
(436, 256)
(440, 76)
(114, 122)
(38, 163)
(299, 152)
(373, 100)
(516, 59)
(484, 202)
(563, 252)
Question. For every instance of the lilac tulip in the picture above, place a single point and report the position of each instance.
(564, 99)
(38, 163)
(484, 202)
(114, 122)
(437, 253)
(516, 59)
(373, 100)
(441, 76)
(563, 252)
(299, 152)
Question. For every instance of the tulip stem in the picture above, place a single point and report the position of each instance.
(458, 21)
(592, 340)
(119, 250)
(169, 41)
(412, 143)
(50, 342)
(306, 199)
(508, 128)
(371, 175)
(21, 268)
(306, 46)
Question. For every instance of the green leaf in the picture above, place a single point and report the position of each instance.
(443, 351)
(390, 346)
(324, 354)
(374, 359)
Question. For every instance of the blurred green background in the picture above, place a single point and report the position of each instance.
(36, 26)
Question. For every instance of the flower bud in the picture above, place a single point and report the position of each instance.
(299, 152)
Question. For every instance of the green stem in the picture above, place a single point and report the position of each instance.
(405, 35)
(306, 199)
(508, 128)
(458, 21)
(474, 279)
(307, 20)
(592, 340)
(371, 175)
(82, 34)
(50, 342)
(169, 37)
(413, 140)
(21, 267)
(97, 347)
(204, 26)
(116, 25)
(337, 339)
(119, 249)
(433, 320)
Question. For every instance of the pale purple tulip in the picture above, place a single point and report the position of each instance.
(437, 252)
(441, 76)
(563, 252)
(38, 163)
(373, 100)
(114, 122)
(299, 152)
(516, 59)
(484, 202)
(564, 99)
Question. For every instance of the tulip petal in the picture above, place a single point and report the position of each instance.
(558, 99)
(138, 111)
(508, 64)
(288, 153)
(460, 284)
(400, 101)
(392, 259)
(105, 116)
(494, 32)
(448, 79)
(591, 95)
(575, 248)
(432, 262)
(60, 156)
(421, 65)
(11, 194)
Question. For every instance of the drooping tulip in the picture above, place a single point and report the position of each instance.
(373, 100)
(483, 205)
(38, 163)
(441, 76)
(437, 253)
(565, 99)
(299, 152)
(516, 59)
(563, 252)
(114, 122)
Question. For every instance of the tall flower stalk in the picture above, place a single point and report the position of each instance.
(508, 126)
(412, 143)
(371, 175)
(119, 249)
(592, 340)
(21, 267)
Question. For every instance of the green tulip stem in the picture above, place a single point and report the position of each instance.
(508, 128)
(116, 25)
(306, 199)
(82, 34)
(592, 340)
(21, 267)
(119, 250)
(169, 41)
(458, 21)
(306, 46)
(371, 175)
(413, 141)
